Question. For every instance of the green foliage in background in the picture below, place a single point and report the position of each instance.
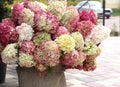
(116, 12)
(43, 1)
(114, 32)
(72, 2)
(4, 8)
(69, 2)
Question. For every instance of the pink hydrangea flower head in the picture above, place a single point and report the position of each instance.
(82, 57)
(10, 33)
(5, 32)
(61, 30)
(45, 21)
(86, 15)
(71, 58)
(79, 64)
(26, 2)
(5, 29)
(68, 67)
(89, 65)
(34, 5)
(48, 54)
(39, 58)
(93, 17)
(4, 39)
(17, 11)
(51, 52)
(79, 67)
(28, 47)
(14, 36)
(85, 28)
(70, 18)
(9, 22)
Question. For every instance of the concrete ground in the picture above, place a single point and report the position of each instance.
(107, 73)
(113, 23)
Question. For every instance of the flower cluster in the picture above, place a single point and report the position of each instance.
(43, 37)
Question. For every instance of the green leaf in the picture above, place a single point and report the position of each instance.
(49, 69)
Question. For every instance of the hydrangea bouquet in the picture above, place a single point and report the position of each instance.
(44, 36)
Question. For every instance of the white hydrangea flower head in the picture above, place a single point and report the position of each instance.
(98, 34)
(25, 32)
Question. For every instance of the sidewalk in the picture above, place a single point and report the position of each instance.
(107, 73)
(113, 23)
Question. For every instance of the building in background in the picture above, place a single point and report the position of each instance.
(112, 3)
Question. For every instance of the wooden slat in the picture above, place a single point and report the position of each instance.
(29, 78)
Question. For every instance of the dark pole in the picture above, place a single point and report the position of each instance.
(83, 5)
(104, 12)
(119, 18)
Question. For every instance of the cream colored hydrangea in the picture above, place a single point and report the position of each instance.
(57, 8)
(66, 43)
(27, 17)
(9, 54)
(79, 41)
(26, 60)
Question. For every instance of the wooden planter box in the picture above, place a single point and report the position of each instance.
(30, 78)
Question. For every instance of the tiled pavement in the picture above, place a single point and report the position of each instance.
(107, 73)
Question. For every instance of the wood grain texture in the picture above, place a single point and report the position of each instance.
(29, 78)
